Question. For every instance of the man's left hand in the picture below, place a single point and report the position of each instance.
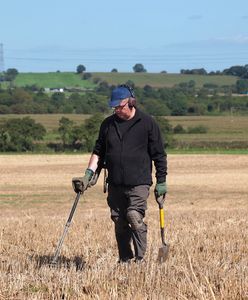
(160, 189)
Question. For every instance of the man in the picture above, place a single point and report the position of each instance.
(128, 142)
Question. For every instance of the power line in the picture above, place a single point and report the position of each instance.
(119, 57)
(1, 58)
(116, 56)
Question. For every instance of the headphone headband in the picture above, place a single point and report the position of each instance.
(128, 88)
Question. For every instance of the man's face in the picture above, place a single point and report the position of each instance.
(123, 111)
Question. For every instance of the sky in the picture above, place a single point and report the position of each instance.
(51, 35)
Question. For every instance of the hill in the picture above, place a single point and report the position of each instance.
(156, 80)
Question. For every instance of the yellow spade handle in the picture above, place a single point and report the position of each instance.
(161, 214)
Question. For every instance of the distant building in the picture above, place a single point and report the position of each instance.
(54, 90)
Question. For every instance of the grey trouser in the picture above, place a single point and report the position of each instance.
(128, 205)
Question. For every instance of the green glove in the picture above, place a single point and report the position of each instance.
(80, 184)
(87, 177)
(160, 189)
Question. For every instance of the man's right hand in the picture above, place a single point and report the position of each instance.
(80, 184)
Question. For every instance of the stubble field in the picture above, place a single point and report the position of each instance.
(206, 226)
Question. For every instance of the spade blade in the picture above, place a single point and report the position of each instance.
(163, 253)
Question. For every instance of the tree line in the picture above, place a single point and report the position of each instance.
(182, 99)
(239, 71)
(26, 135)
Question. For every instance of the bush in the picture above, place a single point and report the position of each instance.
(198, 129)
(166, 130)
(96, 80)
(86, 76)
(179, 129)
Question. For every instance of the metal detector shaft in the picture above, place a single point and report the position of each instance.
(67, 225)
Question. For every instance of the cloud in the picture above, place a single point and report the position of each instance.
(238, 39)
(245, 17)
(195, 17)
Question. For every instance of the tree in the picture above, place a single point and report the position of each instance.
(130, 83)
(155, 107)
(114, 70)
(103, 87)
(19, 134)
(58, 100)
(148, 91)
(240, 71)
(139, 68)
(200, 71)
(91, 129)
(242, 86)
(178, 106)
(65, 130)
(11, 74)
(80, 69)
(166, 130)
(20, 96)
(191, 84)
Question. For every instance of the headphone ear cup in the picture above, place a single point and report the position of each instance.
(131, 102)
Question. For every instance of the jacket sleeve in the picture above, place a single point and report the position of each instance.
(157, 152)
(100, 145)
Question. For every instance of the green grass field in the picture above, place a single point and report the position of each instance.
(52, 80)
(70, 79)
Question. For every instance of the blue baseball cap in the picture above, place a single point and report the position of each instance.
(118, 94)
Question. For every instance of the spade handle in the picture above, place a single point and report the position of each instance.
(160, 200)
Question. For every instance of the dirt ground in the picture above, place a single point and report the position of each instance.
(206, 226)
(194, 181)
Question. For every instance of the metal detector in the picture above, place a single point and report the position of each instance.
(67, 225)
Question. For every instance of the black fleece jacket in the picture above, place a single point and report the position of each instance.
(129, 156)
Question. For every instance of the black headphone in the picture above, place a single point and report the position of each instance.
(132, 100)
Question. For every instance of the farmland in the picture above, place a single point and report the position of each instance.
(206, 226)
(156, 80)
(221, 130)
